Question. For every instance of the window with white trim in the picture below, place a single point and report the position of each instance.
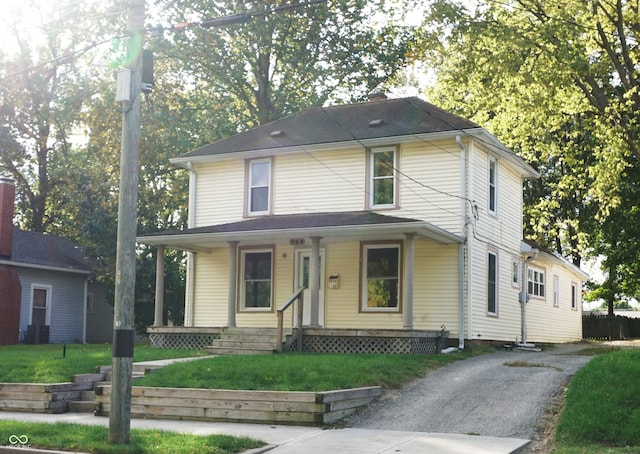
(381, 277)
(40, 305)
(574, 296)
(382, 177)
(492, 283)
(535, 282)
(259, 187)
(556, 290)
(493, 185)
(256, 282)
(515, 273)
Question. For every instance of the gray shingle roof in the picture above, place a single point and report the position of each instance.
(46, 250)
(342, 123)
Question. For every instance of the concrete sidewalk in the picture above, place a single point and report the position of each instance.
(297, 439)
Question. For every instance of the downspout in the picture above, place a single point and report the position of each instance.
(190, 278)
(84, 319)
(463, 245)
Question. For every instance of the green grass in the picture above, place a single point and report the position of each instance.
(299, 371)
(94, 439)
(46, 364)
(602, 408)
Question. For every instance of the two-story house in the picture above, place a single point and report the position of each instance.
(402, 221)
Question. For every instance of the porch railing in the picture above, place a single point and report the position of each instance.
(297, 331)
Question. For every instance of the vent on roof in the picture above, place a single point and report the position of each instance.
(277, 133)
(376, 123)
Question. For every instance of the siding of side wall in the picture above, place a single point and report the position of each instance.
(547, 322)
(501, 234)
(67, 303)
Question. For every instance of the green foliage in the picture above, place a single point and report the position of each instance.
(46, 363)
(94, 439)
(603, 403)
(299, 372)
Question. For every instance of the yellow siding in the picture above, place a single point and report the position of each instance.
(211, 280)
(431, 184)
(320, 182)
(219, 193)
(547, 322)
(435, 290)
(502, 235)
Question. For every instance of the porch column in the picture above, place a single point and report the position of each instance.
(314, 282)
(159, 307)
(408, 280)
(233, 273)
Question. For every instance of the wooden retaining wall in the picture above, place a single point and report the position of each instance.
(40, 398)
(302, 408)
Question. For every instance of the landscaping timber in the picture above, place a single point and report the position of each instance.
(276, 407)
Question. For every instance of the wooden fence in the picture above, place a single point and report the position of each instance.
(604, 327)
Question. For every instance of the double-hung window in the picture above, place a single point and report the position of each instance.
(40, 305)
(535, 282)
(493, 186)
(259, 187)
(574, 296)
(382, 174)
(492, 283)
(381, 277)
(256, 279)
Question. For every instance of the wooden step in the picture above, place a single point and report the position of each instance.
(82, 406)
(238, 351)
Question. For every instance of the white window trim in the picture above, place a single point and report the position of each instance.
(542, 272)
(515, 262)
(371, 178)
(556, 290)
(49, 290)
(575, 296)
(248, 186)
(242, 292)
(497, 283)
(364, 307)
(494, 211)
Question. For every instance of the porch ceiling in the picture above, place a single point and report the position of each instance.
(333, 226)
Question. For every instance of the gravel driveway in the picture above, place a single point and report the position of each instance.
(480, 395)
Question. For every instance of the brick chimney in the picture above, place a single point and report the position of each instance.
(7, 202)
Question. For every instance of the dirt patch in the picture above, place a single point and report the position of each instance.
(544, 440)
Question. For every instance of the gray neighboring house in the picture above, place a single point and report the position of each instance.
(45, 290)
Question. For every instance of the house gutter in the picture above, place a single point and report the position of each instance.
(462, 247)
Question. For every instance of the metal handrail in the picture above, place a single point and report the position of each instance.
(297, 295)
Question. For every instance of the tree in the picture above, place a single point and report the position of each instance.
(280, 63)
(556, 82)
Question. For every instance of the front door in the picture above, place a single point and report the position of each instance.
(303, 260)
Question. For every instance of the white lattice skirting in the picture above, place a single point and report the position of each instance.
(195, 341)
(393, 345)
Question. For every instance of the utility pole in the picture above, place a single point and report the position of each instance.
(123, 333)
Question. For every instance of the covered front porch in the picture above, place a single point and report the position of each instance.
(355, 273)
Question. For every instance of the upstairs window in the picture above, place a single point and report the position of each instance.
(493, 186)
(382, 184)
(259, 187)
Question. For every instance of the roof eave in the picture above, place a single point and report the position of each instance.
(44, 267)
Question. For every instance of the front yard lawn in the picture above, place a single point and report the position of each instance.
(94, 439)
(45, 363)
(298, 371)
